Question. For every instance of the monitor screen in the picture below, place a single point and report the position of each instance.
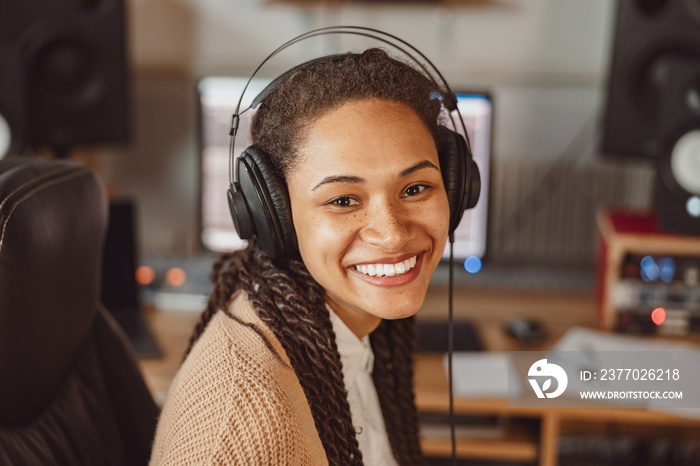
(218, 97)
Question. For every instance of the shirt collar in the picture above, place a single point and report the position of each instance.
(355, 353)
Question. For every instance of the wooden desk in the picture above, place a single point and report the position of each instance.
(533, 434)
(488, 309)
(521, 443)
(172, 330)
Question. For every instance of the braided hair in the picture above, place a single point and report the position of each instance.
(283, 292)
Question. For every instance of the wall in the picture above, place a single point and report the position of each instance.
(478, 41)
(543, 60)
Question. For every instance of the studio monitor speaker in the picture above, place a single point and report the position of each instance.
(74, 68)
(653, 102)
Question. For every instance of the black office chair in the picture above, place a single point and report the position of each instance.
(70, 390)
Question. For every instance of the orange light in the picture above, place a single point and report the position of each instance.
(175, 276)
(658, 315)
(145, 275)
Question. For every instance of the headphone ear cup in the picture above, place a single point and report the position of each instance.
(473, 191)
(267, 202)
(454, 157)
(240, 212)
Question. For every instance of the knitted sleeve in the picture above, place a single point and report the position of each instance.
(232, 402)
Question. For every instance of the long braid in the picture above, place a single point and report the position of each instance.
(403, 340)
(393, 344)
(301, 322)
(291, 304)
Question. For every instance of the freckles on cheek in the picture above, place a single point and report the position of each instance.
(436, 218)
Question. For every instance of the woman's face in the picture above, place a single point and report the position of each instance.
(370, 210)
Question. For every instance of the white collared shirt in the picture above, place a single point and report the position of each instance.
(357, 359)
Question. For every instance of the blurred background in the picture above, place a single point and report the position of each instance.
(589, 149)
(544, 63)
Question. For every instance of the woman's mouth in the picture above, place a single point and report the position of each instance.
(389, 269)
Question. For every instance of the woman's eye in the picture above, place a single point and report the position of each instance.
(413, 190)
(344, 202)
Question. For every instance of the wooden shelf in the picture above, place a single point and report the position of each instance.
(516, 444)
(535, 441)
(622, 233)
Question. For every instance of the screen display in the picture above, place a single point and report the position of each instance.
(218, 97)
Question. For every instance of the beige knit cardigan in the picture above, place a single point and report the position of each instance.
(233, 402)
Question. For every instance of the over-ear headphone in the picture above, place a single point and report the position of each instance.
(258, 197)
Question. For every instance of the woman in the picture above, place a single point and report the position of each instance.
(280, 369)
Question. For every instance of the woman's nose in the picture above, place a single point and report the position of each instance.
(388, 226)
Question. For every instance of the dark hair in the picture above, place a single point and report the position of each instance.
(280, 123)
(283, 292)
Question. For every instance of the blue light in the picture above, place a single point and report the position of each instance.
(472, 264)
(650, 271)
(668, 269)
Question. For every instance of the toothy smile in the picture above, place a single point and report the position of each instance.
(388, 270)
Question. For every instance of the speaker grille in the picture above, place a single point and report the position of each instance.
(653, 38)
(73, 63)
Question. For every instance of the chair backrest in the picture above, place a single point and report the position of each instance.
(71, 391)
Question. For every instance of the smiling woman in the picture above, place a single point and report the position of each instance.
(310, 359)
(380, 203)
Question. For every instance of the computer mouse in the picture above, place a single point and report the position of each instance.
(526, 330)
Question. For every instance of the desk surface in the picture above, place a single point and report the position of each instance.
(431, 395)
(488, 309)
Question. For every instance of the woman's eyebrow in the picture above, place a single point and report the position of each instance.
(338, 179)
(418, 166)
(356, 179)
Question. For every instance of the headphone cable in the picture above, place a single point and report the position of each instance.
(450, 350)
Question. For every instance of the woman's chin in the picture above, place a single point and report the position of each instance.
(396, 310)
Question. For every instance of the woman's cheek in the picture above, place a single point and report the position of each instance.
(325, 233)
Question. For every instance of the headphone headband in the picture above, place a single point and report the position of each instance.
(450, 99)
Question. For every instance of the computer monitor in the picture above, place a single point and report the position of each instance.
(218, 97)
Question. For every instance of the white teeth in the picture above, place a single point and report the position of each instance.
(388, 270)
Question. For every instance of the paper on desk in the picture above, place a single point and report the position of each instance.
(586, 349)
(583, 349)
(482, 375)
